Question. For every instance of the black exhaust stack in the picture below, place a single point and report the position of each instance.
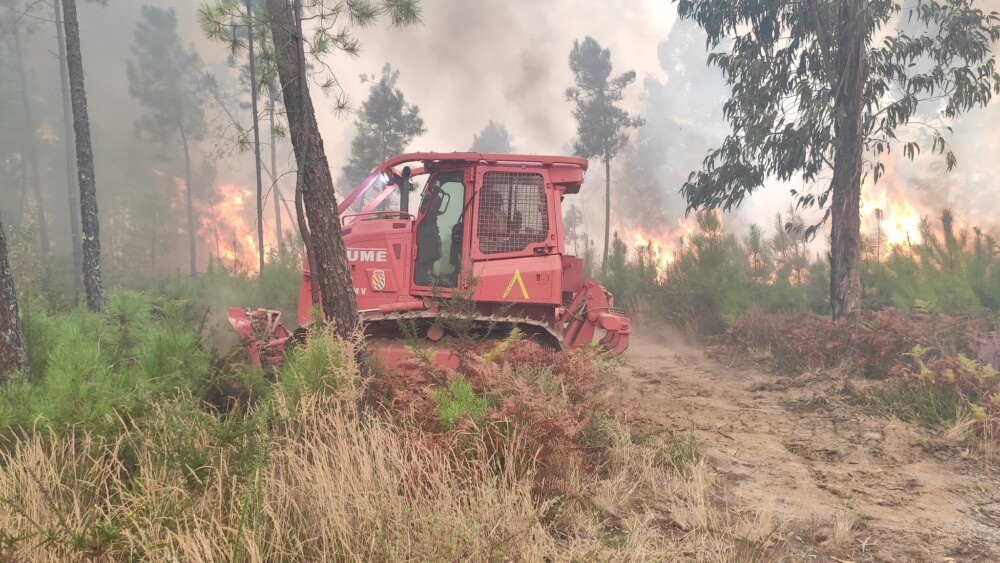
(404, 191)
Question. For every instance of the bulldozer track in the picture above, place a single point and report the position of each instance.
(488, 324)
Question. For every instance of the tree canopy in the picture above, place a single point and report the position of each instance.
(926, 63)
(164, 76)
(493, 138)
(601, 125)
(386, 124)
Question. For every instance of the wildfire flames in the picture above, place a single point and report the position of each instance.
(886, 214)
(663, 247)
(887, 217)
(225, 230)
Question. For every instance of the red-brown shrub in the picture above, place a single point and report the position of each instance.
(544, 397)
(804, 341)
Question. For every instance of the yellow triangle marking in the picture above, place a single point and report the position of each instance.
(520, 283)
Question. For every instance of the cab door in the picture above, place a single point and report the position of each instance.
(441, 230)
(514, 248)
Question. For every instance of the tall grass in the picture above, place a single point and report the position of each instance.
(305, 472)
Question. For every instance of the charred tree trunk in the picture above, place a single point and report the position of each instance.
(845, 250)
(300, 209)
(256, 138)
(330, 268)
(189, 199)
(12, 356)
(607, 212)
(30, 150)
(72, 189)
(84, 162)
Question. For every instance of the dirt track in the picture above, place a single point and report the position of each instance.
(797, 446)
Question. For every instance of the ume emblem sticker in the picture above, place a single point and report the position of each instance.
(378, 280)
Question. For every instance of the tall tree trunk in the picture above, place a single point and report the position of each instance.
(73, 191)
(300, 216)
(256, 139)
(189, 198)
(152, 232)
(607, 212)
(845, 250)
(12, 356)
(84, 162)
(23, 202)
(275, 190)
(31, 152)
(330, 268)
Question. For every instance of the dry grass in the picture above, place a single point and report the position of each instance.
(842, 530)
(341, 485)
(336, 484)
(310, 476)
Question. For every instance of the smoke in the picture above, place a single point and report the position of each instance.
(467, 64)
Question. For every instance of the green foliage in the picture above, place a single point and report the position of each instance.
(223, 286)
(457, 401)
(386, 124)
(923, 402)
(319, 366)
(90, 371)
(493, 138)
(714, 279)
(780, 60)
(952, 270)
(224, 21)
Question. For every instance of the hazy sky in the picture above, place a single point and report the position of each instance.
(472, 61)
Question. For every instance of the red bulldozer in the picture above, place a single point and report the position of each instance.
(488, 230)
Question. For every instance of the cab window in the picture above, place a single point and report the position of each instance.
(513, 212)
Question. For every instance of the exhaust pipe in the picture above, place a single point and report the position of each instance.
(404, 191)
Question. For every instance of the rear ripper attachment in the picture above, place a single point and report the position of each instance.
(496, 219)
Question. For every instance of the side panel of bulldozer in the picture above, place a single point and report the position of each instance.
(533, 280)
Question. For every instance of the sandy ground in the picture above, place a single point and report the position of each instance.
(799, 447)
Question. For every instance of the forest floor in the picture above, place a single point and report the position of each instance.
(802, 449)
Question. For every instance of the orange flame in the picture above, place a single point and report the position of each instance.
(663, 247)
(886, 213)
(225, 229)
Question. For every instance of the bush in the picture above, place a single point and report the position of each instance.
(89, 371)
(804, 341)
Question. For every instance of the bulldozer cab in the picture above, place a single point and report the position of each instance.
(490, 223)
(439, 230)
(479, 213)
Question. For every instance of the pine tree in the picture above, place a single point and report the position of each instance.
(84, 162)
(601, 125)
(164, 76)
(386, 124)
(328, 259)
(493, 138)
